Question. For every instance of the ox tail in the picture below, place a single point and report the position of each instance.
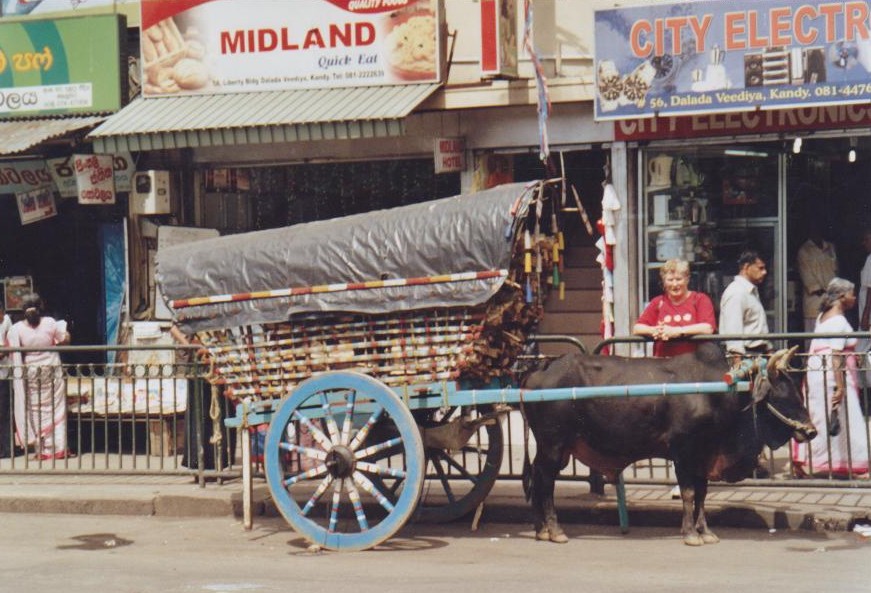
(526, 478)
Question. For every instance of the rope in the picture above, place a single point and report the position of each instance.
(215, 414)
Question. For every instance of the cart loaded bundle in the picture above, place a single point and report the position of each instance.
(349, 330)
(441, 290)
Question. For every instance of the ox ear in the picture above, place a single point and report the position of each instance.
(761, 388)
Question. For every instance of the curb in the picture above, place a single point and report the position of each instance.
(756, 509)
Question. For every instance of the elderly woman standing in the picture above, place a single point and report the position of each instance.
(40, 394)
(832, 384)
(677, 313)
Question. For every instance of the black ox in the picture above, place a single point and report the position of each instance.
(707, 436)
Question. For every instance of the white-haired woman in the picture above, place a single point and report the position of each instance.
(832, 384)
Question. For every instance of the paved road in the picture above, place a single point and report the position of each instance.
(45, 553)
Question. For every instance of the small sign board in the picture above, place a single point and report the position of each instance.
(450, 155)
(94, 178)
(36, 204)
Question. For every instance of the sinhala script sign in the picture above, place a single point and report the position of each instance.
(709, 56)
(229, 46)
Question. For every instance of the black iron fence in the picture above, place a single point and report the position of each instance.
(143, 413)
(147, 413)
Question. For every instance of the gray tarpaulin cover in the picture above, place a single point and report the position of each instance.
(466, 233)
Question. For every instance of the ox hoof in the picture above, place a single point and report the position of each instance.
(710, 538)
(693, 539)
(546, 535)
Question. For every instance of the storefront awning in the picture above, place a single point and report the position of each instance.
(18, 136)
(260, 118)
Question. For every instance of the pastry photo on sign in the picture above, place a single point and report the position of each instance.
(172, 61)
(410, 43)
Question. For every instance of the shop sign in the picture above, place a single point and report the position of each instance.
(22, 176)
(94, 178)
(499, 38)
(745, 122)
(450, 155)
(233, 46)
(711, 56)
(36, 204)
(60, 66)
(16, 8)
(64, 175)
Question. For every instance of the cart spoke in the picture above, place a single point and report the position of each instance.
(316, 432)
(453, 463)
(479, 451)
(322, 487)
(443, 479)
(354, 495)
(329, 419)
(366, 484)
(334, 509)
(304, 451)
(314, 472)
(349, 417)
(364, 431)
(379, 470)
(373, 449)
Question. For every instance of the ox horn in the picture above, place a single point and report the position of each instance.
(779, 361)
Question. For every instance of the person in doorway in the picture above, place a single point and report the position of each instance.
(832, 389)
(7, 447)
(741, 310)
(677, 313)
(817, 265)
(40, 394)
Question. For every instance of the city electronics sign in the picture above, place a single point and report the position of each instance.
(710, 56)
(60, 66)
(230, 46)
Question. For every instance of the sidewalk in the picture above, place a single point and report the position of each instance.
(753, 507)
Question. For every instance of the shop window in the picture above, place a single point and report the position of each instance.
(706, 205)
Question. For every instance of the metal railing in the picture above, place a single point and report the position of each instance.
(143, 415)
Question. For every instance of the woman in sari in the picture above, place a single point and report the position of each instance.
(832, 385)
(40, 389)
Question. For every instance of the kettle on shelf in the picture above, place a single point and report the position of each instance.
(659, 171)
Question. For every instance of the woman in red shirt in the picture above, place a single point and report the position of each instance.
(677, 313)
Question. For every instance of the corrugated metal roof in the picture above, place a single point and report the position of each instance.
(257, 118)
(19, 135)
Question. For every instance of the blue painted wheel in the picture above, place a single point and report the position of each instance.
(344, 461)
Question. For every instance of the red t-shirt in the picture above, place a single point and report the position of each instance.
(697, 308)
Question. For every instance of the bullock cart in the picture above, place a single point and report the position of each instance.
(380, 350)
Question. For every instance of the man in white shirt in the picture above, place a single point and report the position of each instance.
(6, 446)
(817, 265)
(742, 313)
(741, 310)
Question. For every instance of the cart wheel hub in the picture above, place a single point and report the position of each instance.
(340, 460)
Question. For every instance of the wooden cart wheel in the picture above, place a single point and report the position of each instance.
(458, 481)
(332, 474)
